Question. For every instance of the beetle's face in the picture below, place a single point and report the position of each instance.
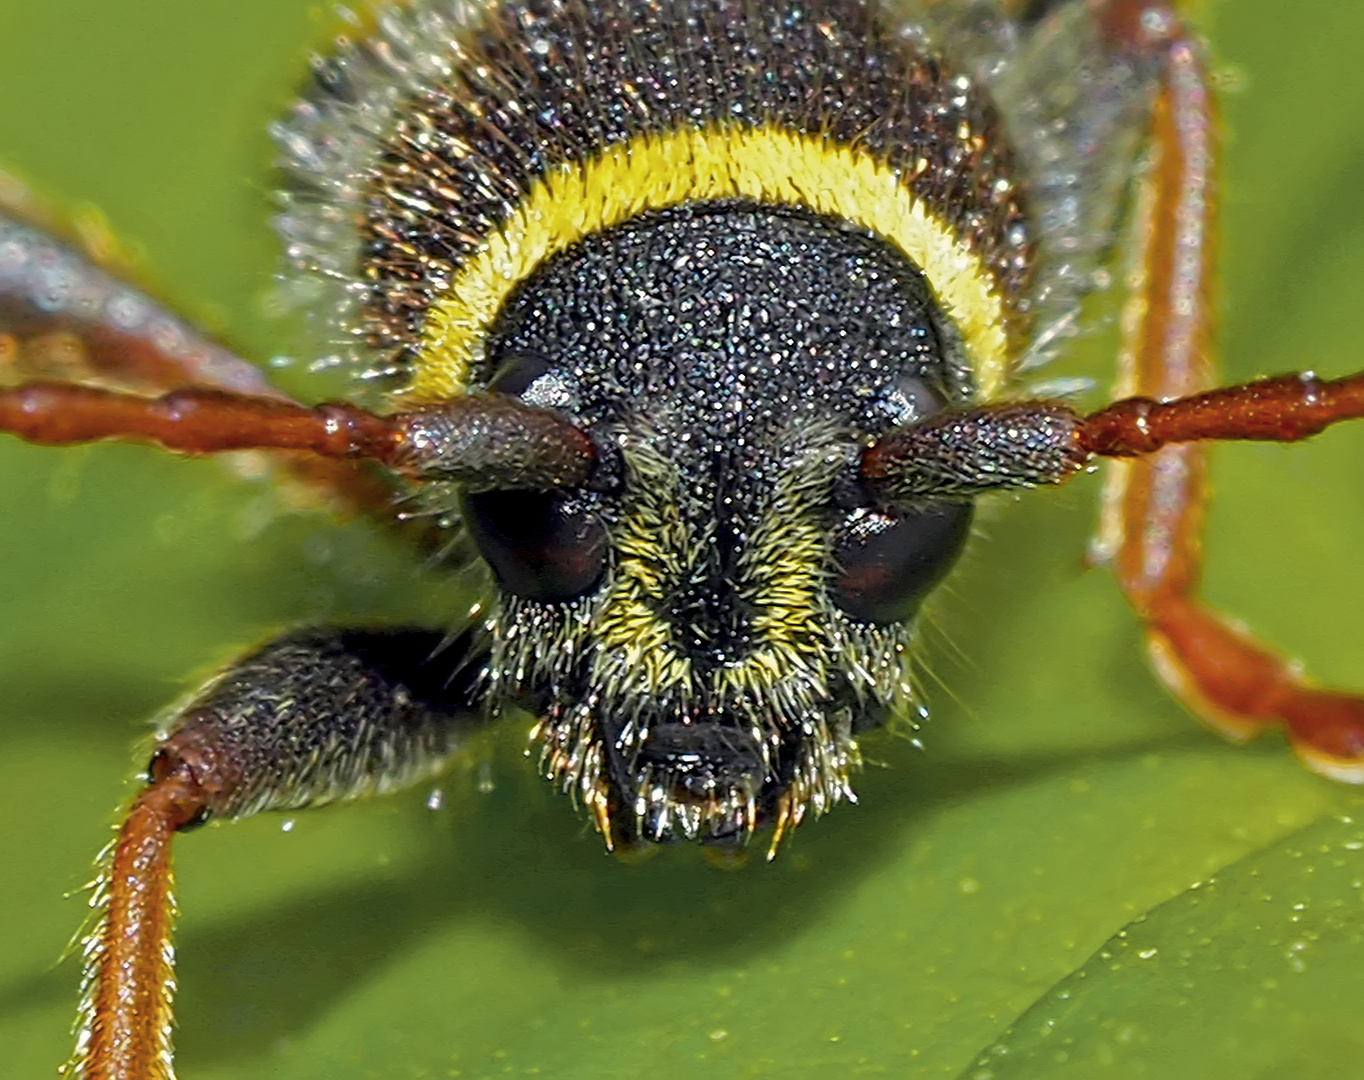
(704, 637)
(733, 274)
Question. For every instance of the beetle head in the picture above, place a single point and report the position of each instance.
(705, 627)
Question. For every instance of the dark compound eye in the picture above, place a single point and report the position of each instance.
(907, 399)
(888, 563)
(537, 382)
(541, 546)
(544, 546)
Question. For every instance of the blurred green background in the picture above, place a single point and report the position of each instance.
(1060, 797)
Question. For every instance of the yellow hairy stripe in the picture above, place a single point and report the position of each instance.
(654, 172)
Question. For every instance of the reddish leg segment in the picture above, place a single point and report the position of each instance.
(315, 717)
(129, 977)
(1152, 528)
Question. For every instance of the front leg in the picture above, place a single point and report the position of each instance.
(314, 717)
(1153, 507)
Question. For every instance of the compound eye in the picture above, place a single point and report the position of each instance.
(889, 562)
(907, 399)
(537, 382)
(541, 546)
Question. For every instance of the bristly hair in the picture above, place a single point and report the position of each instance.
(473, 104)
(453, 160)
(815, 671)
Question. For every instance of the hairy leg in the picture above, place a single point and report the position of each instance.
(1151, 527)
(1151, 531)
(316, 716)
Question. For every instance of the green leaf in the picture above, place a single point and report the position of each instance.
(1060, 796)
(1255, 970)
